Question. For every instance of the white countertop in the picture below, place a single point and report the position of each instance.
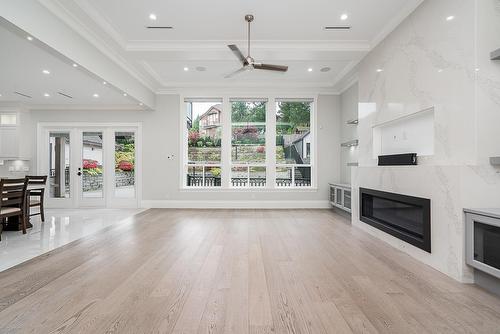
(490, 212)
(341, 185)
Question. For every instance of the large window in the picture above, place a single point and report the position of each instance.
(293, 143)
(204, 143)
(248, 143)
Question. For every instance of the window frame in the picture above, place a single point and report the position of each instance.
(226, 131)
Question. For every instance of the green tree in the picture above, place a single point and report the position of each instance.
(196, 123)
(248, 112)
(295, 113)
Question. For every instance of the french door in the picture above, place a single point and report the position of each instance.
(90, 166)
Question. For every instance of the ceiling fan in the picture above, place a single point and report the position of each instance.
(248, 62)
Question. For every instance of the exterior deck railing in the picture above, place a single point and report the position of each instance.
(211, 181)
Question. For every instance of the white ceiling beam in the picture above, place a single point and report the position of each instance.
(39, 22)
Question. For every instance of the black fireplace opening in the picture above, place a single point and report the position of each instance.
(405, 217)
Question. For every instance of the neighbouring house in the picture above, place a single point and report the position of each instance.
(210, 121)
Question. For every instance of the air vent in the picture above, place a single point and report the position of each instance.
(65, 95)
(159, 27)
(23, 95)
(337, 27)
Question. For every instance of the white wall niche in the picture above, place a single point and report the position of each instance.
(413, 133)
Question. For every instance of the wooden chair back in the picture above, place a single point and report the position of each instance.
(37, 180)
(13, 192)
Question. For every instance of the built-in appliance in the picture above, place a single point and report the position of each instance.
(483, 240)
(406, 159)
(405, 217)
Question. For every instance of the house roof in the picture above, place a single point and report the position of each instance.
(217, 107)
(305, 134)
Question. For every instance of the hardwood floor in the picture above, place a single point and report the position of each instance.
(237, 271)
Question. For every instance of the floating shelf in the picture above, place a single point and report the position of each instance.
(495, 55)
(495, 161)
(352, 164)
(350, 143)
(353, 121)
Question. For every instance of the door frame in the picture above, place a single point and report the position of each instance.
(78, 128)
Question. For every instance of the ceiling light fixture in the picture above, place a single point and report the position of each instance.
(325, 69)
(46, 72)
(379, 70)
(309, 69)
(75, 65)
(186, 69)
(104, 83)
(29, 38)
(125, 94)
(344, 17)
(450, 18)
(141, 104)
(440, 70)
(152, 17)
(46, 95)
(96, 95)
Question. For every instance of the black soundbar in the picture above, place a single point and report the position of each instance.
(407, 159)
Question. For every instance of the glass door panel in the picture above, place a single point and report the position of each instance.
(92, 185)
(59, 164)
(124, 183)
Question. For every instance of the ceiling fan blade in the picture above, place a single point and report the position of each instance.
(238, 54)
(230, 75)
(269, 67)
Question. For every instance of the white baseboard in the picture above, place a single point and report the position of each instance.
(235, 204)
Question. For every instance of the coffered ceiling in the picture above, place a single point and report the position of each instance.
(194, 52)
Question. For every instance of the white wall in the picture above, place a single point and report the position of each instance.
(161, 138)
(431, 62)
(349, 109)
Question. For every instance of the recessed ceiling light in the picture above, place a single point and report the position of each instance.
(29, 38)
(104, 83)
(309, 69)
(141, 104)
(440, 70)
(125, 94)
(152, 16)
(325, 69)
(0, 95)
(450, 18)
(478, 69)
(96, 95)
(344, 17)
(75, 65)
(186, 69)
(46, 95)
(379, 70)
(46, 72)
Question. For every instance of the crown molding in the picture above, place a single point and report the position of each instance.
(351, 78)
(394, 23)
(193, 45)
(256, 90)
(85, 107)
(79, 27)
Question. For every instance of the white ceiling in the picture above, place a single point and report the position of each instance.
(22, 63)
(288, 32)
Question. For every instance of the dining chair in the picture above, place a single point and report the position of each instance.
(13, 200)
(36, 193)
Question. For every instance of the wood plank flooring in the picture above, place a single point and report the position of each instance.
(237, 271)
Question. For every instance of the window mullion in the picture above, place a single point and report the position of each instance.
(271, 143)
(226, 143)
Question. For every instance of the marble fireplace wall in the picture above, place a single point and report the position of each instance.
(431, 62)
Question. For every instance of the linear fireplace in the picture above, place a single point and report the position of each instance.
(405, 217)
